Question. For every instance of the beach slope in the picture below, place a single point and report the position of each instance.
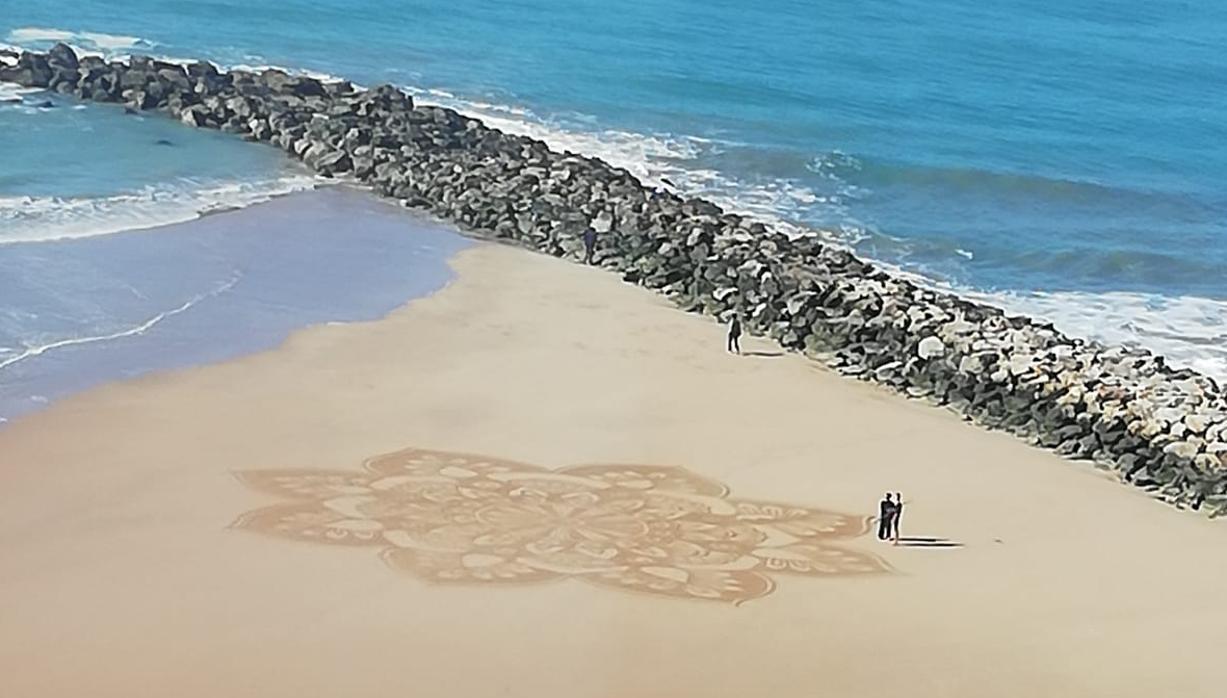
(215, 532)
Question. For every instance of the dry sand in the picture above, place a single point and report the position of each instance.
(121, 575)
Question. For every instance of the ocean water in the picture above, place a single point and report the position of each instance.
(1065, 160)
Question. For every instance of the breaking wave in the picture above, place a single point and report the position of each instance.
(90, 42)
(31, 219)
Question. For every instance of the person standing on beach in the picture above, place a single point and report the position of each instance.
(589, 244)
(898, 515)
(734, 343)
(886, 517)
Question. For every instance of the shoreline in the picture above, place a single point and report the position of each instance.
(208, 289)
(1163, 429)
(141, 548)
(1176, 324)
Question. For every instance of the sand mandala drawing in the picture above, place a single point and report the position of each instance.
(455, 518)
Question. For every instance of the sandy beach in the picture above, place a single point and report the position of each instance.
(149, 548)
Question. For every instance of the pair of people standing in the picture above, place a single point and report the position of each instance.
(889, 512)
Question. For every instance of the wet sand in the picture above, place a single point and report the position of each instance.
(76, 313)
(141, 555)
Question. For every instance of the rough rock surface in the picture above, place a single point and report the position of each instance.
(1160, 428)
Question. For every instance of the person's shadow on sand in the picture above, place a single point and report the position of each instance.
(927, 542)
(890, 511)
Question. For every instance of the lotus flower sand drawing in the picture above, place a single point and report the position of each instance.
(455, 518)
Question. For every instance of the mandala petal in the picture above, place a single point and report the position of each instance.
(690, 554)
(572, 561)
(305, 483)
(802, 523)
(671, 506)
(410, 513)
(736, 587)
(454, 568)
(533, 485)
(642, 478)
(459, 466)
(310, 521)
(819, 560)
(727, 531)
(447, 538)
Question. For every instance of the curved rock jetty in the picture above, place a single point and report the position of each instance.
(1160, 428)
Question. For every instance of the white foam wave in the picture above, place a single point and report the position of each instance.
(261, 67)
(138, 329)
(27, 35)
(116, 46)
(107, 44)
(1189, 331)
(29, 219)
(663, 161)
(645, 156)
(13, 93)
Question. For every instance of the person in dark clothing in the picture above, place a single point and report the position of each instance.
(898, 515)
(887, 510)
(734, 343)
(589, 244)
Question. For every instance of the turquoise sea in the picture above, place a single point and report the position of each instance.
(1065, 160)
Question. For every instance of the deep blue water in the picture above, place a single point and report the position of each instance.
(1062, 159)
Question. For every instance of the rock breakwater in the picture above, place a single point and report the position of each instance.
(1159, 428)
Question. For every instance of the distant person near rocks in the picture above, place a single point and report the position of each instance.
(734, 343)
(589, 244)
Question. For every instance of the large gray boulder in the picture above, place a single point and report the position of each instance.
(32, 70)
(62, 58)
